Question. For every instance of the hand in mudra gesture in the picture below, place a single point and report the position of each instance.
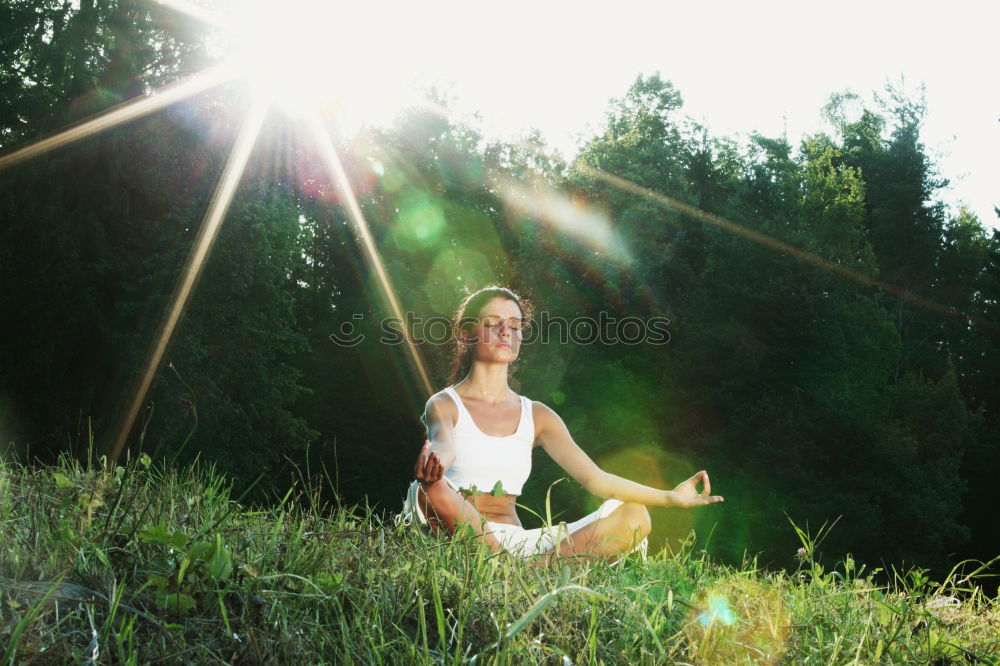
(686, 495)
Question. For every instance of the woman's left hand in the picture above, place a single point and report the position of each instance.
(686, 495)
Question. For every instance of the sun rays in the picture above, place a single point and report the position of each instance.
(123, 113)
(309, 58)
(229, 180)
(336, 169)
(283, 69)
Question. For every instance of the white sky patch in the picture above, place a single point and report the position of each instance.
(741, 67)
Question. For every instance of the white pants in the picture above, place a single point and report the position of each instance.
(517, 540)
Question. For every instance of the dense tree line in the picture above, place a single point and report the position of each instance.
(833, 330)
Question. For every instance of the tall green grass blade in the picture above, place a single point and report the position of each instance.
(540, 605)
(10, 652)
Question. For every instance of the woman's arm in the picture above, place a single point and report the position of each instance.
(438, 452)
(558, 443)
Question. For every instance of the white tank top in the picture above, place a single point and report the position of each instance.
(481, 460)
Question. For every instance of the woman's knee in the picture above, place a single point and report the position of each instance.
(449, 509)
(635, 517)
(433, 501)
(436, 493)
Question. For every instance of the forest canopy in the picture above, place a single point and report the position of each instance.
(832, 332)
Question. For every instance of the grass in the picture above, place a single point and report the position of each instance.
(152, 565)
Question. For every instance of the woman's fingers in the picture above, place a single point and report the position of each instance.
(704, 501)
(707, 489)
(693, 481)
(430, 470)
(703, 477)
(420, 468)
(689, 495)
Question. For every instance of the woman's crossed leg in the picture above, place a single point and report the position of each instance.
(606, 538)
(445, 508)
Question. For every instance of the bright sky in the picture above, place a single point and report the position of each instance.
(768, 66)
(740, 67)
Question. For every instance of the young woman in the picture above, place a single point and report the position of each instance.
(478, 452)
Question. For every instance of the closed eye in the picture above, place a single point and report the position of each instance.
(514, 324)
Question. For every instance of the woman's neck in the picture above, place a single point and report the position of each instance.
(487, 382)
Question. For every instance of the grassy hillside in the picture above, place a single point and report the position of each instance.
(149, 565)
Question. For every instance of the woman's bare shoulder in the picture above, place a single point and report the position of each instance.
(442, 405)
(542, 415)
(539, 408)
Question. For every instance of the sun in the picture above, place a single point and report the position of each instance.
(312, 54)
(303, 56)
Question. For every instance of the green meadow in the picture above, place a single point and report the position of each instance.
(162, 565)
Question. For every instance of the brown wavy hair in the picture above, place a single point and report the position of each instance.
(467, 317)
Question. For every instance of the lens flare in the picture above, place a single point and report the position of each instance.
(572, 218)
(419, 223)
(718, 611)
(738, 621)
(454, 267)
(467, 250)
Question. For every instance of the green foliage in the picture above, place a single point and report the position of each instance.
(789, 373)
(168, 570)
(496, 491)
(800, 369)
(100, 255)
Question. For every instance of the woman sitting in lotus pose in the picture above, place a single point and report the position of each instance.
(478, 453)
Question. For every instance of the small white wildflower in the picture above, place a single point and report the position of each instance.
(943, 608)
(943, 602)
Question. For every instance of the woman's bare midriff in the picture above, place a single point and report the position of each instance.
(496, 509)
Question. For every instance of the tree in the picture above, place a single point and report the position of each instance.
(99, 254)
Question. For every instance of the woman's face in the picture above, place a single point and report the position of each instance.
(498, 331)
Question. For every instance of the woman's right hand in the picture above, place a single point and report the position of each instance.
(686, 495)
(428, 470)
